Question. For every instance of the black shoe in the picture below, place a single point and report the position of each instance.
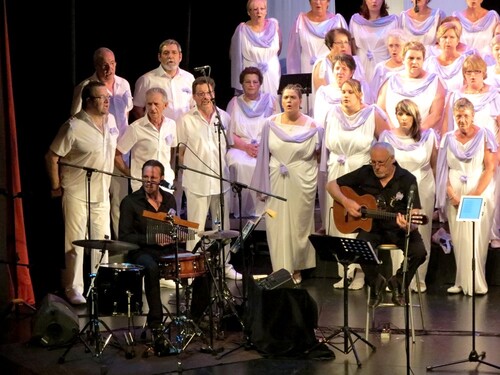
(377, 291)
(161, 345)
(396, 288)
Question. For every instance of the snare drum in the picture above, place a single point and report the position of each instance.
(189, 265)
(114, 283)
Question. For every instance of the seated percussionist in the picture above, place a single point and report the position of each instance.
(135, 228)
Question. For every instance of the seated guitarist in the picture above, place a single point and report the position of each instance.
(384, 179)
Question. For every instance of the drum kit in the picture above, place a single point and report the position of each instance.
(116, 290)
(119, 301)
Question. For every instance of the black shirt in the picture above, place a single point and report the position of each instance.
(395, 194)
(133, 225)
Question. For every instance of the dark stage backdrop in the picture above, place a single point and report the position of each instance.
(52, 45)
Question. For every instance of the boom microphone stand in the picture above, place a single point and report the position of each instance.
(219, 290)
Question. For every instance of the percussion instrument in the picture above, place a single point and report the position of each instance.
(189, 265)
(116, 283)
(165, 224)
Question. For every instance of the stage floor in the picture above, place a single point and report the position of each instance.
(445, 338)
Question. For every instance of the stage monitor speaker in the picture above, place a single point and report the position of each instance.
(281, 321)
(55, 323)
(278, 279)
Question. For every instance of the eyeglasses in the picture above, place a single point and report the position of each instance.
(471, 72)
(342, 43)
(376, 163)
(203, 94)
(102, 97)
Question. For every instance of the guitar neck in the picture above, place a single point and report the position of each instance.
(377, 214)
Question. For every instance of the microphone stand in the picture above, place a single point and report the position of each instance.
(405, 288)
(239, 186)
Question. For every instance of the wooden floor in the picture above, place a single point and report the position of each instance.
(445, 338)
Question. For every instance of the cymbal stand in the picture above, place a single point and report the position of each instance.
(222, 296)
(91, 331)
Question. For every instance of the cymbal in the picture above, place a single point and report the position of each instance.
(219, 234)
(110, 245)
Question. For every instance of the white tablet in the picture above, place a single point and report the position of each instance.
(470, 208)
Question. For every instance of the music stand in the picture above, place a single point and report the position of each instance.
(304, 80)
(471, 209)
(345, 251)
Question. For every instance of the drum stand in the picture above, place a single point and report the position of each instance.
(185, 328)
(91, 334)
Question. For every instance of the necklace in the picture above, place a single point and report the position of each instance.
(472, 91)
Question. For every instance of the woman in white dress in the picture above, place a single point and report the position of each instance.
(478, 24)
(351, 128)
(338, 40)
(462, 48)
(486, 102)
(248, 112)
(466, 165)
(395, 41)
(493, 71)
(287, 167)
(306, 42)
(424, 88)
(257, 42)
(448, 64)
(421, 25)
(344, 68)
(369, 28)
(416, 150)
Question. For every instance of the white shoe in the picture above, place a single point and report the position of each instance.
(75, 298)
(358, 282)
(454, 289)
(423, 287)
(168, 284)
(231, 273)
(339, 284)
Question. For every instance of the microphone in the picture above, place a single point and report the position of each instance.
(416, 9)
(176, 160)
(411, 197)
(200, 68)
(165, 184)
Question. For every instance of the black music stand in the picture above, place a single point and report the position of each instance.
(345, 251)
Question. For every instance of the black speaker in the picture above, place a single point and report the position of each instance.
(278, 279)
(55, 323)
(281, 321)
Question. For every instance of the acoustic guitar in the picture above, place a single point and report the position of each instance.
(347, 223)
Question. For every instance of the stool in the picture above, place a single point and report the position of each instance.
(370, 311)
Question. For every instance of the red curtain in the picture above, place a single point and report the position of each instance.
(17, 249)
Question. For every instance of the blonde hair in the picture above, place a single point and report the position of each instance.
(444, 27)
(356, 87)
(474, 62)
(414, 45)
